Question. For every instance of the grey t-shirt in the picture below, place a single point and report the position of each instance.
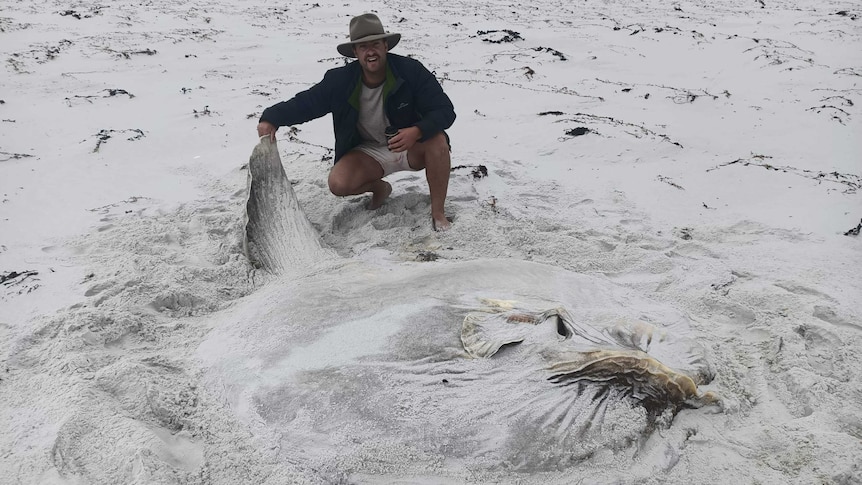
(372, 120)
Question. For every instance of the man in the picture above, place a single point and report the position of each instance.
(366, 97)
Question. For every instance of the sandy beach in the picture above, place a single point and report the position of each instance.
(694, 166)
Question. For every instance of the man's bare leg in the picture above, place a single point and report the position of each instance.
(433, 156)
(357, 173)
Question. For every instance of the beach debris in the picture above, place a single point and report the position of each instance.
(724, 288)
(188, 35)
(115, 92)
(853, 182)
(216, 73)
(129, 53)
(779, 52)
(204, 112)
(684, 233)
(336, 60)
(841, 100)
(633, 29)
(528, 72)
(855, 231)
(6, 156)
(526, 52)
(677, 31)
(551, 51)
(107, 208)
(109, 94)
(579, 131)
(679, 96)
(833, 111)
(52, 51)
(667, 180)
(41, 55)
(543, 89)
(104, 135)
(293, 136)
(8, 25)
(635, 130)
(6, 279)
(477, 171)
(554, 113)
(78, 15)
(499, 36)
(22, 281)
(427, 256)
(849, 71)
(17, 65)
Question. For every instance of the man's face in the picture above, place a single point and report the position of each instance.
(371, 55)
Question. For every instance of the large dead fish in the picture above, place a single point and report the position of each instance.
(409, 369)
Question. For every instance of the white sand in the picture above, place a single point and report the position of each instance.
(720, 172)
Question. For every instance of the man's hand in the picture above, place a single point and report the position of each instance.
(265, 128)
(405, 139)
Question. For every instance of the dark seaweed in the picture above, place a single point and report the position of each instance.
(511, 36)
(581, 130)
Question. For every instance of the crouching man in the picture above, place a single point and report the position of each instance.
(388, 114)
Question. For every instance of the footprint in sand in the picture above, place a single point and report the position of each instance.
(828, 315)
(821, 347)
(798, 289)
(731, 313)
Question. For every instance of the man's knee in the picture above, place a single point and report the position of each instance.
(439, 141)
(437, 147)
(338, 185)
(431, 152)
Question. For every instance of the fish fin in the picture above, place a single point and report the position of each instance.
(278, 237)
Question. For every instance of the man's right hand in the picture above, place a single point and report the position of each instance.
(266, 128)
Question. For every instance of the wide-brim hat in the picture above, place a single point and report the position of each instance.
(366, 28)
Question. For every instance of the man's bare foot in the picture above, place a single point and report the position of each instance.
(379, 196)
(440, 224)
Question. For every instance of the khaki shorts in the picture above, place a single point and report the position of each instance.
(390, 161)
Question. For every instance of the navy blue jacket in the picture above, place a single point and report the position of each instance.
(411, 97)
